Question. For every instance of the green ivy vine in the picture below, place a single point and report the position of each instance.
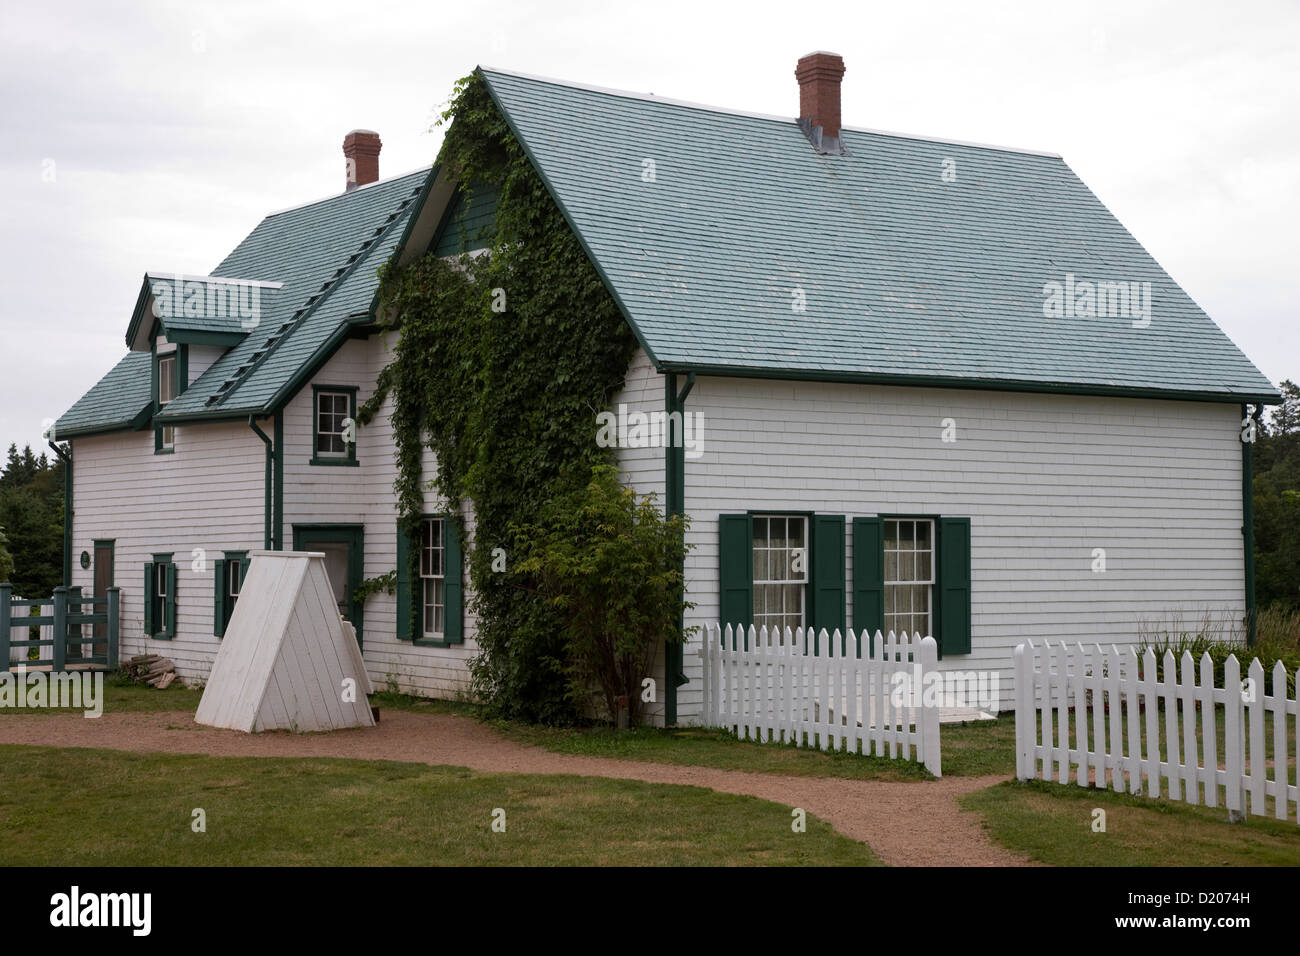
(506, 400)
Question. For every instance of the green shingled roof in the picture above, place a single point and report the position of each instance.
(906, 277)
(122, 399)
(327, 255)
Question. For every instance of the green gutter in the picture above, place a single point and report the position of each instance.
(266, 484)
(983, 384)
(675, 495)
(277, 509)
(67, 512)
(1248, 519)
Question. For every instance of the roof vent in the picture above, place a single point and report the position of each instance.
(819, 76)
(361, 147)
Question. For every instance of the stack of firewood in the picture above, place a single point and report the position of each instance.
(151, 669)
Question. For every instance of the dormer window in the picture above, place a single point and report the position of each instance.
(166, 392)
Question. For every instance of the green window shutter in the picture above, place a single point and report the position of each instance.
(403, 584)
(868, 576)
(243, 572)
(454, 628)
(219, 598)
(828, 573)
(170, 611)
(148, 599)
(954, 586)
(736, 569)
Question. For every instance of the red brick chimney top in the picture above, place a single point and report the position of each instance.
(819, 77)
(361, 148)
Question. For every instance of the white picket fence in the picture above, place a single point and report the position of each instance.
(819, 689)
(1061, 690)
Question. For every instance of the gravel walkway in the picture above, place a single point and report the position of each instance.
(906, 824)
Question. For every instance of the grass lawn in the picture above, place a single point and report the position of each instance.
(1052, 823)
(78, 807)
(975, 749)
(119, 697)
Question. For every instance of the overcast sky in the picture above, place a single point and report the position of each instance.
(155, 135)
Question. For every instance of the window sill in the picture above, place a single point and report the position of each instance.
(431, 642)
(164, 451)
(345, 462)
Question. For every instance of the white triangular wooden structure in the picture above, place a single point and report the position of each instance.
(287, 657)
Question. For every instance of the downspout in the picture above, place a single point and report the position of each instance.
(277, 504)
(66, 456)
(675, 493)
(1248, 516)
(266, 508)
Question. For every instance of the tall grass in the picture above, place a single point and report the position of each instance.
(1277, 638)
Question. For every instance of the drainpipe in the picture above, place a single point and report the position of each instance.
(66, 457)
(675, 493)
(277, 502)
(270, 456)
(1248, 519)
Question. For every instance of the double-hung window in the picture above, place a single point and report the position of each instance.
(433, 581)
(429, 573)
(166, 392)
(780, 570)
(227, 581)
(909, 576)
(334, 413)
(160, 597)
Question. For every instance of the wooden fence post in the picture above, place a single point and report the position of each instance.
(6, 595)
(930, 714)
(114, 606)
(1233, 740)
(58, 658)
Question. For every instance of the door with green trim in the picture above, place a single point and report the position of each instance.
(344, 548)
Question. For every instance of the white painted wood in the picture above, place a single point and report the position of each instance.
(286, 653)
(1190, 761)
(813, 690)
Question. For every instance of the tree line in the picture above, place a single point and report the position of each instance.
(31, 523)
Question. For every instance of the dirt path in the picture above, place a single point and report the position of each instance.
(907, 824)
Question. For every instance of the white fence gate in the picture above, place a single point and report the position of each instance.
(819, 689)
(1060, 690)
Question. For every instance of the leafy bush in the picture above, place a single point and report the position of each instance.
(610, 564)
(1277, 638)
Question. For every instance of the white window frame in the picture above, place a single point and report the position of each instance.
(321, 432)
(903, 585)
(233, 569)
(433, 585)
(167, 361)
(780, 585)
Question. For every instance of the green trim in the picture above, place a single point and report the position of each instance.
(180, 367)
(266, 484)
(195, 337)
(277, 488)
(986, 385)
(453, 573)
(573, 226)
(316, 391)
(417, 210)
(66, 457)
(165, 629)
(1248, 521)
(355, 536)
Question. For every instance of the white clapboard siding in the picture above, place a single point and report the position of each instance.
(1121, 698)
(1157, 484)
(287, 654)
(815, 689)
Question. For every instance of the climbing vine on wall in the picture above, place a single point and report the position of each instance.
(501, 364)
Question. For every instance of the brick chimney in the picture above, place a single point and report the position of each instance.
(819, 77)
(361, 147)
